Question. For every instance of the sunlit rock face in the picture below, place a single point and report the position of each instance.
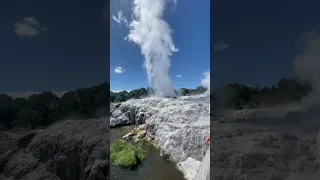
(178, 125)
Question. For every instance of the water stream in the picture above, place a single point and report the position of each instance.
(154, 167)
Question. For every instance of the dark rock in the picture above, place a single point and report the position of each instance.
(97, 171)
(26, 139)
(63, 151)
(5, 157)
(290, 137)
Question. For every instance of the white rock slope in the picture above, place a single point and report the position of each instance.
(179, 126)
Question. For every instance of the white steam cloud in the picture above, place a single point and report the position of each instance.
(307, 64)
(206, 81)
(153, 35)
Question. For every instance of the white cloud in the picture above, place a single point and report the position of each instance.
(120, 18)
(179, 76)
(28, 27)
(221, 46)
(119, 70)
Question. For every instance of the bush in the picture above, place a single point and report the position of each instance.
(126, 155)
(126, 159)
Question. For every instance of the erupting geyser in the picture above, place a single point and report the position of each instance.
(153, 35)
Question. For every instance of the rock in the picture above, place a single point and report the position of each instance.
(26, 139)
(128, 136)
(63, 151)
(136, 134)
(141, 118)
(39, 174)
(97, 171)
(5, 157)
(318, 141)
(140, 135)
(114, 106)
(189, 167)
(178, 126)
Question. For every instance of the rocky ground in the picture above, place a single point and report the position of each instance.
(178, 126)
(266, 144)
(69, 150)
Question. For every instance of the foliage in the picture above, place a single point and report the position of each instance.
(93, 102)
(46, 108)
(143, 92)
(241, 96)
(126, 155)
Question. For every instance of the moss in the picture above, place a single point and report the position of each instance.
(140, 131)
(126, 159)
(126, 155)
(140, 153)
(117, 146)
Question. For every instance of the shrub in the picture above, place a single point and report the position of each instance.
(126, 155)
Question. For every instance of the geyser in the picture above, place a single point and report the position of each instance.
(153, 35)
(307, 64)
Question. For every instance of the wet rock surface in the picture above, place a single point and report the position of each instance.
(71, 149)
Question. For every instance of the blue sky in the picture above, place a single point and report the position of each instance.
(190, 23)
(53, 45)
(260, 39)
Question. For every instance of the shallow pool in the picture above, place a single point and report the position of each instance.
(154, 167)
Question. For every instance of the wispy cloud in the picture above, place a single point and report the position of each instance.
(221, 46)
(179, 76)
(119, 70)
(120, 18)
(28, 27)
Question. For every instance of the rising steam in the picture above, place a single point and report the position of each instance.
(206, 81)
(307, 64)
(153, 35)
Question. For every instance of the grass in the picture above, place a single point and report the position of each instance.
(126, 155)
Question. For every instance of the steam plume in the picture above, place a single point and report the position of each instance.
(206, 81)
(153, 35)
(307, 64)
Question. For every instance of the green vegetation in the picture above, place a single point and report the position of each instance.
(93, 102)
(126, 155)
(45, 108)
(116, 97)
(241, 96)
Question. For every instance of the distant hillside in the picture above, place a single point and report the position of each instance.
(45, 108)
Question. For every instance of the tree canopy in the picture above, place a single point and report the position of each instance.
(241, 96)
(93, 102)
(45, 108)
